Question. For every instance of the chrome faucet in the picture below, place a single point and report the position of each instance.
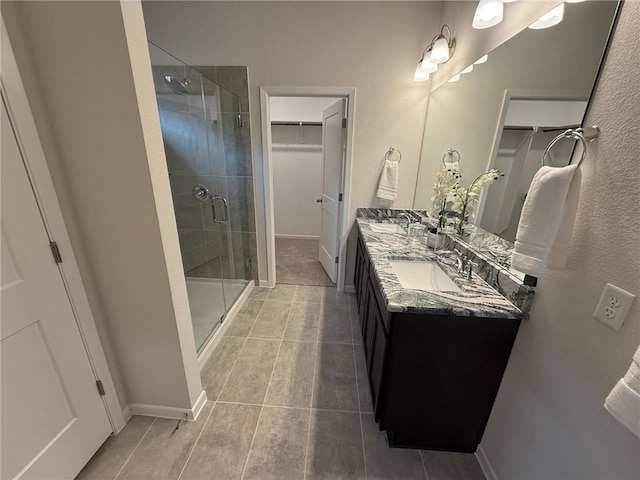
(406, 216)
(465, 265)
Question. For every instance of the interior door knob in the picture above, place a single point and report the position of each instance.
(318, 200)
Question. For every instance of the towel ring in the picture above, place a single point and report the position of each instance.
(587, 134)
(451, 151)
(390, 152)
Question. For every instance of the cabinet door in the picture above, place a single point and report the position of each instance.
(378, 353)
(370, 311)
(357, 277)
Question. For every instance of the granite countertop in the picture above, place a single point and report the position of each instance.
(476, 299)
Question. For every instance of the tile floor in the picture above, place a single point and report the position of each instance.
(288, 399)
(297, 263)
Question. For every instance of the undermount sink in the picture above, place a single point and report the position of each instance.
(387, 228)
(422, 275)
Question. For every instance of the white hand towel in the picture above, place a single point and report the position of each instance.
(624, 400)
(544, 210)
(388, 185)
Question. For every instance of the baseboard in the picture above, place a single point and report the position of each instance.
(215, 339)
(264, 283)
(199, 405)
(126, 414)
(485, 464)
(301, 237)
(169, 412)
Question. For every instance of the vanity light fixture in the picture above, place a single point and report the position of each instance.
(455, 78)
(574, 1)
(442, 47)
(468, 69)
(550, 19)
(438, 51)
(482, 59)
(488, 13)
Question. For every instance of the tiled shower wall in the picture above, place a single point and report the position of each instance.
(225, 168)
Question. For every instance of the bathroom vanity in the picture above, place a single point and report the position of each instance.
(435, 359)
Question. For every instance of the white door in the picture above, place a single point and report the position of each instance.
(333, 143)
(53, 418)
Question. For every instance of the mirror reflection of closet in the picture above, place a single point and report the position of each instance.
(529, 126)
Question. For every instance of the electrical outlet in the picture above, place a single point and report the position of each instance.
(614, 301)
(613, 306)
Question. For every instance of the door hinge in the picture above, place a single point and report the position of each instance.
(337, 259)
(100, 388)
(339, 197)
(56, 252)
(344, 123)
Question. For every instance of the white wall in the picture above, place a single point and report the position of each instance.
(297, 181)
(98, 123)
(373, 46)
(548, 420)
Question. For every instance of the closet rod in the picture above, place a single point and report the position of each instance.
(298, 124)
(544, 129)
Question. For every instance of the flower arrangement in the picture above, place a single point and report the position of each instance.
(443, 189)
(465, 200)
(462, 200)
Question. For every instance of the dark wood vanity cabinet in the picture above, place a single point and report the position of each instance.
(433, 378)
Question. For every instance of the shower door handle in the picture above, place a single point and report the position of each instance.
(226, 210)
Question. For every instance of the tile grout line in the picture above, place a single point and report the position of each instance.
(297, 341)
(255, 432)
(355, 366)
(424, 466)
(206, 422)
(241, 348)
(313, 384)
(135, 448)
(227, 402)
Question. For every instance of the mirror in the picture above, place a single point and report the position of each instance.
(504, 113)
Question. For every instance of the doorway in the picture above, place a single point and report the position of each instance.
(297, 161)
(306, 185)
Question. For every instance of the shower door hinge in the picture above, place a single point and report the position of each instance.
(337, 259)
(344, 123)
(339, 197)
(56, 252)
(100, 388)
(239, 120)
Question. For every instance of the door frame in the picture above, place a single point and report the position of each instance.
(266, 92)
(15, 97)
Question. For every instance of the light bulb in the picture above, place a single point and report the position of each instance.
(419, 75)
(455, 78)
(427, 66)
(488, 13)
(550, 19)
(468, 69)
(482, 59)
(440, 51)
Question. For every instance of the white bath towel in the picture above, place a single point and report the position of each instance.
(388, 186)
(545, 209)
(624, 400)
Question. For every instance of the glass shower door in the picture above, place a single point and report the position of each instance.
(197, 147)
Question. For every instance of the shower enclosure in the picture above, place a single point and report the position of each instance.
(200, 124)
